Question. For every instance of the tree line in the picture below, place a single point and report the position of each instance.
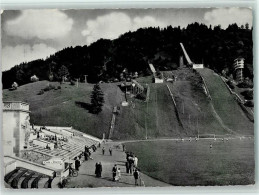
(105, 60)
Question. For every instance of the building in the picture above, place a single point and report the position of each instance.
(27, 152)
(238, 65)
(15, 127)
(197, 66)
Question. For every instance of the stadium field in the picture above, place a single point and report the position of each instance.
(195, 163)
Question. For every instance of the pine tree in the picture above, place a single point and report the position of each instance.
(62, 72)
(97, 99)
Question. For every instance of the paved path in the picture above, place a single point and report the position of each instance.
(86, 177)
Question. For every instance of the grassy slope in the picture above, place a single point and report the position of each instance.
(195, 110)
(58, 107)
(159, 114)
(225, 104)
(194, 163)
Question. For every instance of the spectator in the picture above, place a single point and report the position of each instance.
(127, 166)
(130, 167)
(86, 149)
(136, 176)
(94, 148)
(86, 155)
(118, 174)
(103, 150)
(127, 156)
(77, 164)
(114, 171)
(98, 169)
(135, 161)
(110, 150)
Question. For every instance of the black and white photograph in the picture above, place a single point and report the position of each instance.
(158, 97)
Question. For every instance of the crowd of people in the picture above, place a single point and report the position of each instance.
(131, 164)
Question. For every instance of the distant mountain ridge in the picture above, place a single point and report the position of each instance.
(107, 60)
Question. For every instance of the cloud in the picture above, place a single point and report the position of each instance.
(43, 24)
(110, 26)
(226, 16)
(15, 55)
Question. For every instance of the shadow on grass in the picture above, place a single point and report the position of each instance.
(84, 105)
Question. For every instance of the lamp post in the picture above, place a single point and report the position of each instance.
(146, 116)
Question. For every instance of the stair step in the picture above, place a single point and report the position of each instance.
(8, 176)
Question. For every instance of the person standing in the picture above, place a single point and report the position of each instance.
(127, 166)
(103, 150)
(110, 150)
(118, 174)
(135, 162)
(136, 176)
(86, 155)
(100, 168)
(96, 169)
(130, 167)
(77, 164)
(114, 171)
(123, 147)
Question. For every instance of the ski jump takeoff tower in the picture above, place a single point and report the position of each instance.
(190, 63)
(238, 68)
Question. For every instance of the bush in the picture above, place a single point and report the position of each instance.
(41, 92)
(245, 85)
(248, 94)
(249, 103)
(72, 82)
(49, 87)
(230, 84)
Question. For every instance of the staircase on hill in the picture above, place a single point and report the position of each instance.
(112, 122)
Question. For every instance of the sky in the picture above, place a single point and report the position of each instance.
(35, 34)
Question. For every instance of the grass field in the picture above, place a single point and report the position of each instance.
(67, 107)
(195, 163)
(225, 105)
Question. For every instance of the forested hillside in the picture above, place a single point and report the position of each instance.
(106, 60)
